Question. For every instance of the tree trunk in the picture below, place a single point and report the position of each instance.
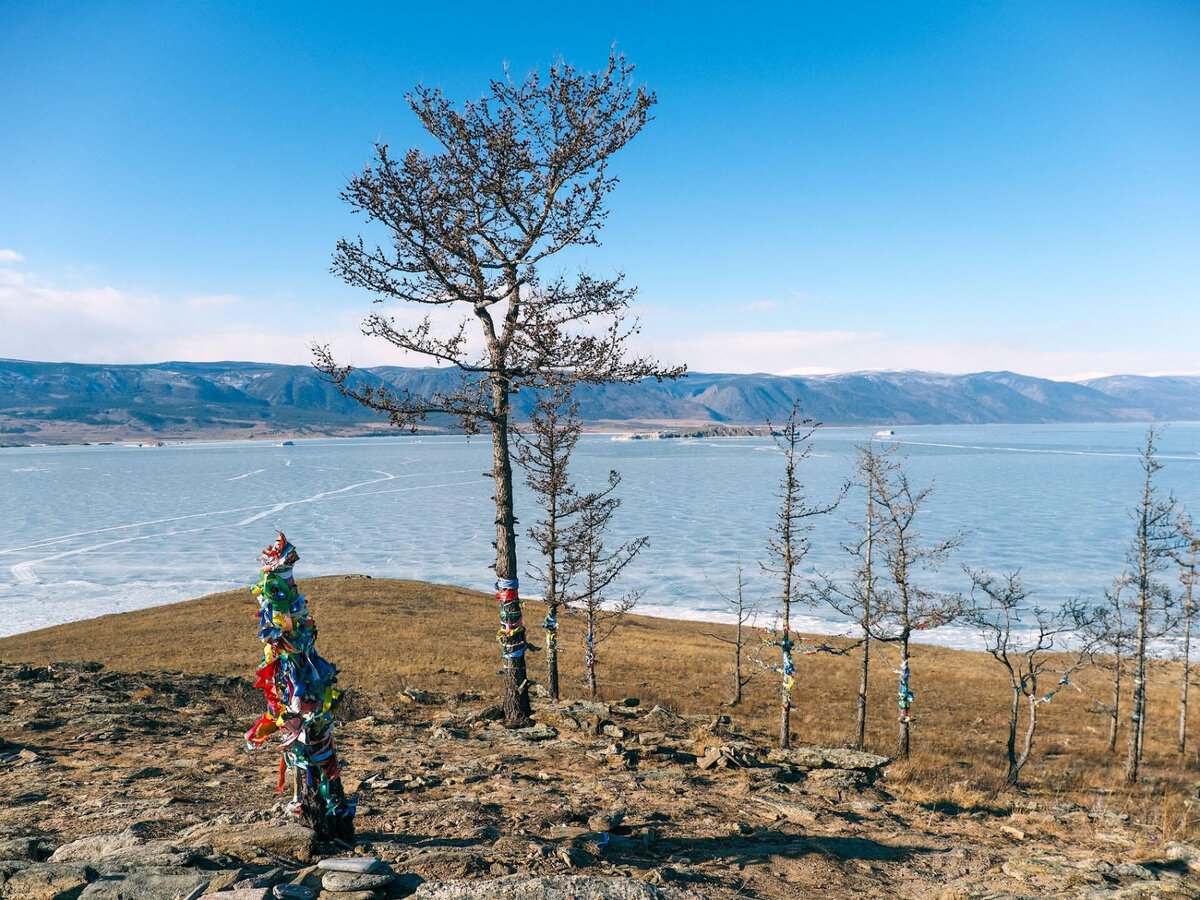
(516, 685)
(552, 651)
(789, 669)
(737, 657)
(1115, 713)
(1013, 713)
(589, 656)
(905, 702)
(1133, 756)
(1027, 746)
(860, 719)
(1187, 661)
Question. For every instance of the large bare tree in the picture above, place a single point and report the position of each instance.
(1155, 544)
(514, 178)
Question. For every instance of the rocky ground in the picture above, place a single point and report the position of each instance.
(121, 786)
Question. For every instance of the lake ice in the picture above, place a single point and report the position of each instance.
(92, 530)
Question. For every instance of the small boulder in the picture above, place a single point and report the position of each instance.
(47, 881)
(1188, 854)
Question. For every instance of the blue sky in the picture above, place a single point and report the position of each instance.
(950, 186)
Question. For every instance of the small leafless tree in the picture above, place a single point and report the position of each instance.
(1034, 645)
(855, 599)
(1189, 564)
(1156, 543)
(598, 568)
(789, 545)
(903, 605)
(543, 450)
(744, 612)
(516, 177)
(1115, 640)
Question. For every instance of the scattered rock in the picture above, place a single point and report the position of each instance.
(787, 809)
(30, 848)
(829, 758)
(606, 821)
(1133, 870)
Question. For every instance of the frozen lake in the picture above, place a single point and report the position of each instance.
(91, 530)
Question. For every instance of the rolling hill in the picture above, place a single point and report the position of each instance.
(48, 402)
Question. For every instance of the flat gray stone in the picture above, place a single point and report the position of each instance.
(253, 840)
(146, 886)
(93, 848)
(357, 881)
(552, 887)
(352, 864)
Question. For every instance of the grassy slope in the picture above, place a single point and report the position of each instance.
(388, 634)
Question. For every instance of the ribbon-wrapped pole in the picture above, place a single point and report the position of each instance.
(299, 687)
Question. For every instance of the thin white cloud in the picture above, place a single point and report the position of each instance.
(760, 306)
(9, 256)
(824, 352)
(47, 321)
(212, 301)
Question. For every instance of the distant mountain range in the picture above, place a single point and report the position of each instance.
(50, 402)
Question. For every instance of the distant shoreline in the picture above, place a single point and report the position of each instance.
(661, 430)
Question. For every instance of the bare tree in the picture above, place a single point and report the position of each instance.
(744, 612)
(903, 605)
(516, 177)
(1115, 639)
(1189, 562)
(786, 550)
(598, 568)
(1156, 542)
(1031, 643)
(543, 450)
(855, 600)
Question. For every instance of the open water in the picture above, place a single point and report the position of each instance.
(92, 530)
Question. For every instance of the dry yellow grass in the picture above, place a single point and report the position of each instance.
(388, 634)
